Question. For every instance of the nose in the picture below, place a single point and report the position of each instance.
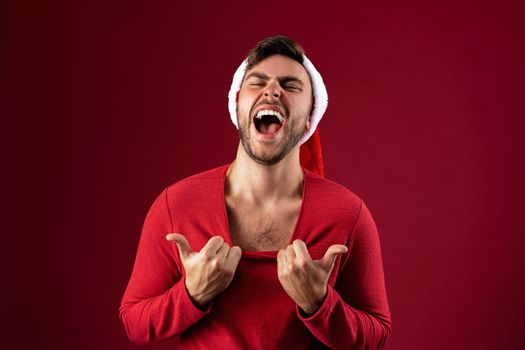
(272, 90)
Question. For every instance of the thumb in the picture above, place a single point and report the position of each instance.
(181, 242)
(327, 262)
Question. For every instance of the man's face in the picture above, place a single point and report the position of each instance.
(273, 108)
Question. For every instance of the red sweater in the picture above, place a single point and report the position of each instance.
(254, 311)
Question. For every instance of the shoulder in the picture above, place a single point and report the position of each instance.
(192, 187)
(331, 213)
(332, 193)
(209, 176)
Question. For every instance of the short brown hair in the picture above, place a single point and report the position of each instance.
(274, 45)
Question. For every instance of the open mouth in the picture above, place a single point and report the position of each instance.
(268, 121)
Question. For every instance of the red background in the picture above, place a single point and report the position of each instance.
(106, 103)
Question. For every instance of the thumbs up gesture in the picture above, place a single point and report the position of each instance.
(305, 280)
(209, 271)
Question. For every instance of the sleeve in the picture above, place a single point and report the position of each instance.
(156, 304)
(355, 313)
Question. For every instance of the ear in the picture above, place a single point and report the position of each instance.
(308, 124)
(237, 97)
(312, 107)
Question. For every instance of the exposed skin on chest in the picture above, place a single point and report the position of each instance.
(259, 228)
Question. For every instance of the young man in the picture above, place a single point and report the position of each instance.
(261, 253)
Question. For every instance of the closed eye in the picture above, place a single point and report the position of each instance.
(292, 87)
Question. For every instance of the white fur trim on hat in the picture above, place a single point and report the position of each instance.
(319, 90)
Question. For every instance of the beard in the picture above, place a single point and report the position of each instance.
(292, 133)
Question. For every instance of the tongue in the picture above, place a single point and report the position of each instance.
(269, 128)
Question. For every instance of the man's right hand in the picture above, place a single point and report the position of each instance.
(209, 271)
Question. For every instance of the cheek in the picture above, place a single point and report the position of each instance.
(304, 106)
(243, 109)
(244, 103)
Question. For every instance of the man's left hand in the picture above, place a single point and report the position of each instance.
(305, 280)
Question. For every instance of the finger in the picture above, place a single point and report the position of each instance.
(212, 246)
(281, 261)
(301, 253)
(331, 254)
(281, 257)
(290, 254)
(223, 251)
(233, 257)
(181, 242)
(233, 252)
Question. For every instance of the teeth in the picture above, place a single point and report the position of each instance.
(269, 112)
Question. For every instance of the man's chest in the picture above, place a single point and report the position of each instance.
(256, 229)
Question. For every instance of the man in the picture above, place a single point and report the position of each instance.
(261, 253)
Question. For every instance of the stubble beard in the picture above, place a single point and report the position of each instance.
(292, 135)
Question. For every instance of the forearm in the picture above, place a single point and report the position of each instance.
(160, 317)
(340, 326)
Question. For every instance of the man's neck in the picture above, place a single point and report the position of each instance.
(259, 184)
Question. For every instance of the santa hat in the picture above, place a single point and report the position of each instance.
(310, 152)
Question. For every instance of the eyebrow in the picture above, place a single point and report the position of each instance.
(285, 79)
